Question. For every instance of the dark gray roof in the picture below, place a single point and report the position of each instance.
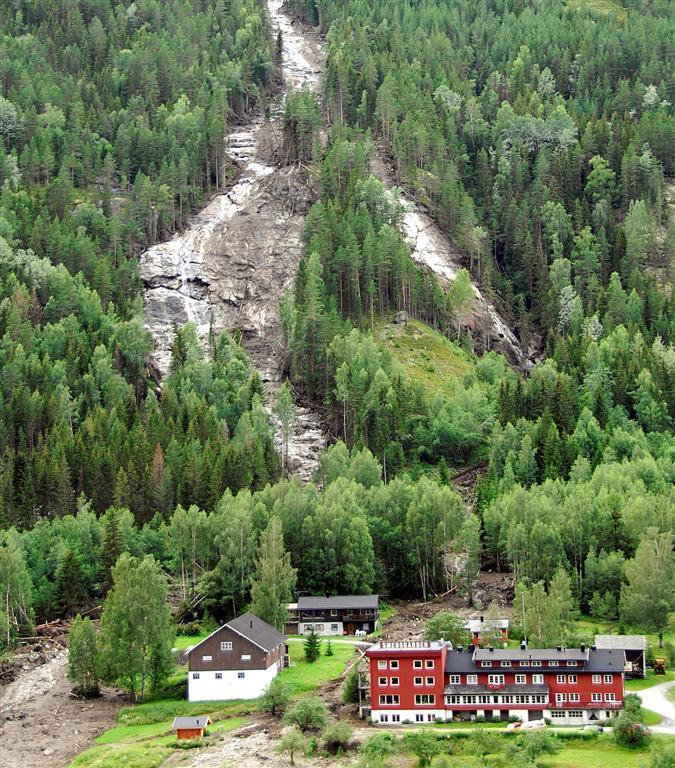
(313, 603)
(257, 631)
(191, 722)
(468, 662)
(538, 654)
(621, 642)
(502, 689)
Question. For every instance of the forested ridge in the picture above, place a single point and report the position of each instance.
(539, 138)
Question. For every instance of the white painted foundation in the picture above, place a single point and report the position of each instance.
(206, 687)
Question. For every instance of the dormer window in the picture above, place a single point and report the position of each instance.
(506, 663)
(486, 663)
(571, 663)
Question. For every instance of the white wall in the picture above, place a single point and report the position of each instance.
(231, 686)
(305, 627)
(407, 715)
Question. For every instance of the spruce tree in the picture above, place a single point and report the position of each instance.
(70, 584)
(112, 546)
(312, 647)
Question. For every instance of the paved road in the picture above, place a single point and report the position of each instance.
(655, 698)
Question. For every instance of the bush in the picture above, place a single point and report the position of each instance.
(350, 690)
(662, 754)
(382, 744)
(632, 703)
(189, 628)
(276, 696)
(423, 744)
(308, 714)
(628, 731)
(336, 738)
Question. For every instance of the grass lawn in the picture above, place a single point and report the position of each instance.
(429, 358)
(635, 686)
(601, 753)
(185, 641)
(302, 677)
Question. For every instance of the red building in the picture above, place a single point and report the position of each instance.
(429, 681)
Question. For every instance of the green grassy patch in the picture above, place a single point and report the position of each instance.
(153, 712)
(648, 717)
(136, 756)
(303, 677)
(185, 641)
(429, 358)
(641, 683)
(601, 753)
(604, 7)
(130, 733)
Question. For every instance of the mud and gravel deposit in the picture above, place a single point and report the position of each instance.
(42, 725)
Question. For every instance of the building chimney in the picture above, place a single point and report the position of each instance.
(459, 649)
(594, 648)
(490, 648)
(251, 623)
(582, 647)
(523, 645)
(558, 648)
(481, 619)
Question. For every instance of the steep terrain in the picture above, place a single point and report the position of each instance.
(230, 269)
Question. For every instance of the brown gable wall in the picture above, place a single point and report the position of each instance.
(222, 660)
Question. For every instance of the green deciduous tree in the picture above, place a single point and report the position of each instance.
(136, 629)
(649, 594)
(83, 657)
(274, 579)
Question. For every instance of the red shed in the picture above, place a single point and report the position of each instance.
(191, 727)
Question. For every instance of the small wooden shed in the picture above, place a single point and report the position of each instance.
(191, 727)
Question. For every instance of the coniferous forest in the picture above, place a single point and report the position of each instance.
(539, 138)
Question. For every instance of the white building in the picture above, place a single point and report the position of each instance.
(237, 661)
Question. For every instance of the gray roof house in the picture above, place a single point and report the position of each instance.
(635, 648)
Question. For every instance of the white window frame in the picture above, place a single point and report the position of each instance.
(246, 657)
(395, 718)
(537, 679)
(608, 679)
(597, 678)
(219, 675)
(419, 718)
(596, 697)
(207, 658)
(571, 664)
(455, 679)
(226, 646)
(417, 664)
(393, 664)
(395, 699)
(506, 664)
(429, 664)
(496, 679)
(425, 699)
(333, 627)
(429, 680)
(610, 697)
(241, 675)
(472, 679)
(381, 664)
(561, 679)
(574, 698)
(418, 680)
(572, 679)
(521, 679)
(560, 698)
(535, 663)
(394, 681)
(486, 663)
(383, 681)
(195, 675)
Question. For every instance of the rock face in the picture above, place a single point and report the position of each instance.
(230, 268)
(431, 248)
